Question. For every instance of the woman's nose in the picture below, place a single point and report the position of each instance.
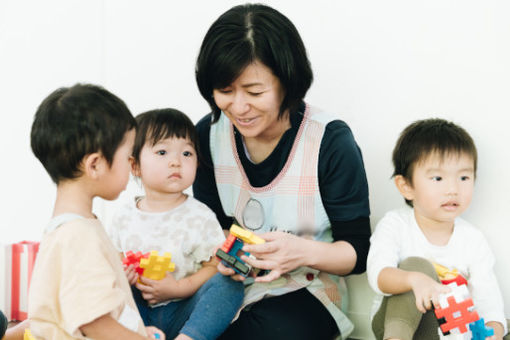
(239, 104)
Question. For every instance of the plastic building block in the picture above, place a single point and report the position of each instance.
(479, 330)
(156, 336)
(155, 266)
(231, 251)
(245, 235)
(447, 276)
(229, 242)
(232, 258)
(457, 310)
(134, 259)
(28, 335)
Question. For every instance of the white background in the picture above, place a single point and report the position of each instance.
(379, 65)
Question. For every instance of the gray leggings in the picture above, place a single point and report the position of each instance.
(398, 316)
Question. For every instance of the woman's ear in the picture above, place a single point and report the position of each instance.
(135, 168)
(405, 187)
(94, 165)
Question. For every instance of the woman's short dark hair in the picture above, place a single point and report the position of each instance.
(425, 137)
(243, 35)
(73, 122)
(156, 125)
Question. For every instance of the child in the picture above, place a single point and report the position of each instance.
(83, 136)
(435, 168)
(192, 302)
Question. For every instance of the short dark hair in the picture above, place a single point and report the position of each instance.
(424, 137)
(243, 35)
(156, 125)
(73, 122)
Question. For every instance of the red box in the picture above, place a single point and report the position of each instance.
(19, 260)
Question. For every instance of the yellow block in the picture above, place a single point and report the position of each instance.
(445, 273)
(245, 235)
(28, 335)
(156, 266)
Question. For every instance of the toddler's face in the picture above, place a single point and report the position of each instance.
(442, 187)
(169, 166)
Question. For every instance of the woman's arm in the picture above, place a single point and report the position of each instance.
(344, 193)
(285, 252)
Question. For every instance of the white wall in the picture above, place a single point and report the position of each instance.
(379, 64)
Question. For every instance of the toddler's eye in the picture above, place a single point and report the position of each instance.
(437, 178)
(187, 154)
(161, 152)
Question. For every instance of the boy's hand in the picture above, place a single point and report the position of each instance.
(155, 333)
(155, 291)
(426, 291)
(131, 274)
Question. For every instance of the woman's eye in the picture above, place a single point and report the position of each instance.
(464, 178)
(224, 91)
(161, 152)
(255, 94)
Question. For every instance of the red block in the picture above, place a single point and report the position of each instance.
(461, 321)
(229, 242)
(134, 259)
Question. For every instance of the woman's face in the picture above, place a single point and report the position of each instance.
(252, 101)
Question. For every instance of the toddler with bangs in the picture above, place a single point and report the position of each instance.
(435, 168)
(193, 302)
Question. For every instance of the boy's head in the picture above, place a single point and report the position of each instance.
(428, 138)
(73, 122)
(157, 125)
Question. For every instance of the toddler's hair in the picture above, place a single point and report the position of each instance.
(156, 125)
(73, 122)
(425, 137)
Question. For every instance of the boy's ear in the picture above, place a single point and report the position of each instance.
(404, 187)
(94, 165)
(135, 169)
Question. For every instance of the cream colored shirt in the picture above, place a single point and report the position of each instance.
(78, 277)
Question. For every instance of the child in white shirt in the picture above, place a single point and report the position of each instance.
(192, 302)
(435, 168)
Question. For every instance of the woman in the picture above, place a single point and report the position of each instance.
(285, 170)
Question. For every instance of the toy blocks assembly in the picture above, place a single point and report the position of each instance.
(149, 265)
(155, 266)
(231, 250)
(457, 316)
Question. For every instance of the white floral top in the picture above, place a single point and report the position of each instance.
(190, 232)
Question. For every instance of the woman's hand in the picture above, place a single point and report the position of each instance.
(155, 291)
(282, 253)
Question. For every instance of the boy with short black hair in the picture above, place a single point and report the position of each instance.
(435, 168)
(83, 136)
